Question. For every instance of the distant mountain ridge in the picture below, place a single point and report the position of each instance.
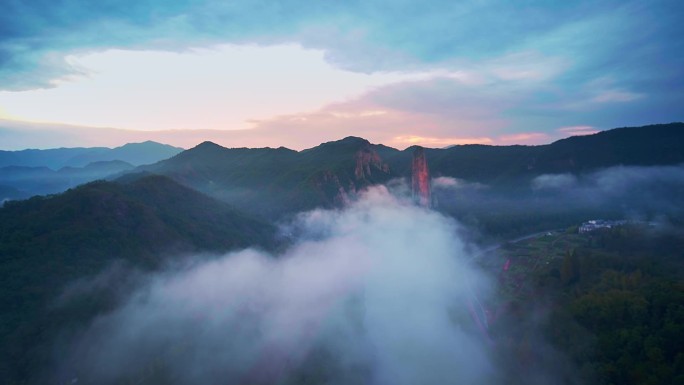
(269, 181)
(37, 172)
(134, 153)
(653, 145)
(29, 181)
(275, 181)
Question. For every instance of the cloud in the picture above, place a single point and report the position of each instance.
(34, 31)
(502, 210)
(220, 88)
(623, 179)
(445, 181)
(236, 87)
(433, 112)
(411, 140)
(375, 293)
(554, 181)
(526, 138)
(38, 35)
(528, 66)
(449, 183)
(581, 63)
(365, 37)
(632, 191)
(616, 96)
(578, 130)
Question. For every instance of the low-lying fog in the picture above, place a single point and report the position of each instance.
(379, 292)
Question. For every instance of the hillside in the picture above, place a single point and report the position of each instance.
(91, 242)
(653, 145)
(613, 301)
(46, 242)
(271, 181)
(123, 220)
(278, 181)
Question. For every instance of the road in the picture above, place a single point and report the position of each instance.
(475, 307)
(516, 240)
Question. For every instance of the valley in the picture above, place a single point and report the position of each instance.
(72, 260)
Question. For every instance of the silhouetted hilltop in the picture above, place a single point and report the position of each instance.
(47, 242)
(661, 144)
(134, 153)
(112, 220)
(272, 181)
(276, 181)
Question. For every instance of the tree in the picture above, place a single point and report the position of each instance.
(570, 268)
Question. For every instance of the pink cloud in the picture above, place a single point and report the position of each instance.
(578, 130)
(393, 128)
(524, 138)
(433, 113)
(410, 140)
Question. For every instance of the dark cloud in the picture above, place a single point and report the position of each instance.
(37, 35)
(637, 44)
(554, 181)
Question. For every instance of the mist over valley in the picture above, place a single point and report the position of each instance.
(293, 192)
(353, 262)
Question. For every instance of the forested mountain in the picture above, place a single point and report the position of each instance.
(279, 181)
(98, 234)
(653, 145)
(612, 300)
(47, 242)
(272, 181)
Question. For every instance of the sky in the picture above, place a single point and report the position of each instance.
(297, 73)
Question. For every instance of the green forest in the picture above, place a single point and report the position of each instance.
(611, 302)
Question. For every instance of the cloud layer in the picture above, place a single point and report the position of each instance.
(359, 35)
(499, 72)
(376, 293)
(654, 193)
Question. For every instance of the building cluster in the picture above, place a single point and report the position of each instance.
(596, 224)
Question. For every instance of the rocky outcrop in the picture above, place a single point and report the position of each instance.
(420, 178)
(367, 159)
(328, 184)
(338, 185)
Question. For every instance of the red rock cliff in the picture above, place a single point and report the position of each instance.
(367, 159)
(336, 188)
(420, 178)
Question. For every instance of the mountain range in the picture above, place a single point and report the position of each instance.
(133, 153)
(48, 242)
(37, 172)
(278, 181)
(212, 199)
